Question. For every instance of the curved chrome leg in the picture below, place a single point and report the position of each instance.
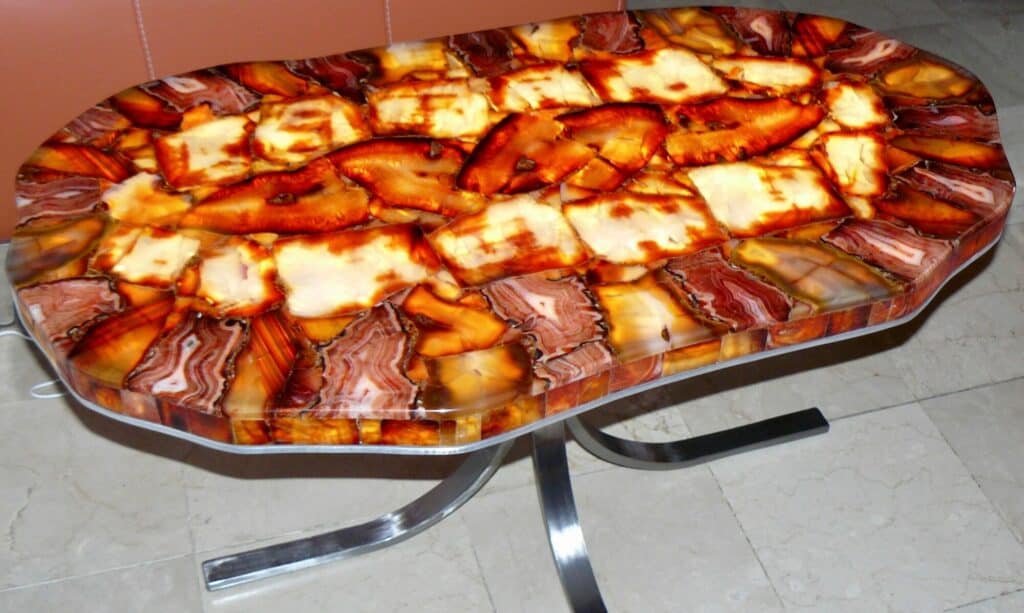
(565, 536)
(394, 527)
(687, 452)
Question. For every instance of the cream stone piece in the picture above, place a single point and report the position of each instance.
(746, 197)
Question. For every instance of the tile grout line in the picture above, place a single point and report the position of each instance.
(137, 4)
(746, 537)
(1007, 522)
(983, 600)
(926, 398)
(483, 575)
(196, 561)
(97, 573)
(710, 468)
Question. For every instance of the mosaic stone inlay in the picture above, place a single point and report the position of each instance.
(433, 243)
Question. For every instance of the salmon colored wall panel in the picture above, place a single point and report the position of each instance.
(417, 19)
(195, 34)
(57, 59)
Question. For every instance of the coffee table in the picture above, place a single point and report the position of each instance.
(437, 247)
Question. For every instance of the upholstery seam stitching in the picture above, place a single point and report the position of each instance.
(387, 20)
(145, 39)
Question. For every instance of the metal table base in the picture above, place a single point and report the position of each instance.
(440, 502)
(554, 488)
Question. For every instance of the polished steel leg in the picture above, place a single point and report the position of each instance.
(417, 516)
(555, 489)
(564, 533)
(699, 449)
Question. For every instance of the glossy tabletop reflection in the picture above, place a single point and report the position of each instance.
(435, 243)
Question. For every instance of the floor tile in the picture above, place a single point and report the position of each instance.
(81, 493)
(985, 427)
(235, 500)
(874, 14)
(1011, 126)
(168, 586)
(973, 332)
(1010, 603)
(971, 8)
(841, 379)
(659, 541)
(879, 514)
(433, 571)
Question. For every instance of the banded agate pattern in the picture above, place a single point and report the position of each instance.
(436, 242)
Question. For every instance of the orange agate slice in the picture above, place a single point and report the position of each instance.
(312, 199)
(826, 278)
(693, 28)
(477, 380)
(645, 319)
(522, 153)
(409, 172)
(626, 135)
(449, 327)
(731, 129)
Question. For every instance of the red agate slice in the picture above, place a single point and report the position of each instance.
(111, 349)
(183, 92)
(63, 310)
(980, 193)
(340, 72)
(729, 294)
(896, 249)
(363, 370)
(488, 53)
(617, 32)
(590, 359)
(69, 197)
(925, 213)
(765, 31)
(188, 364)
(868, 52)
(98, 126)
(951, 121)
(449, 327)
(557, 313)
(36, 250)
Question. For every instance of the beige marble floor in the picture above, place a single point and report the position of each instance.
(913, 502)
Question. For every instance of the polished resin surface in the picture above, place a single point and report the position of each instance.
(435, 243)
